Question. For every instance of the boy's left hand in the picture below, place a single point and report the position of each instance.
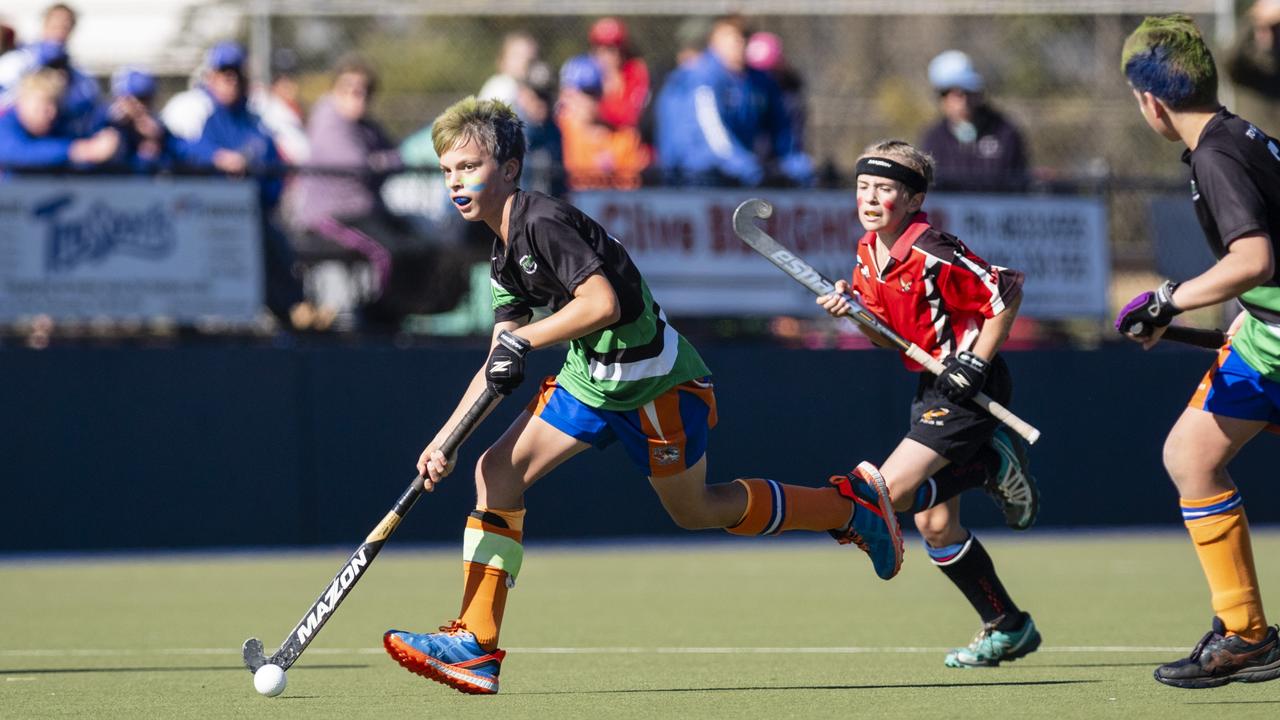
(964, 376)
(505, 369)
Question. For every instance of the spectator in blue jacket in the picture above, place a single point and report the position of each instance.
(80, 112)
(29, 136)
(145, 143)
(221, 132)
(740, 134)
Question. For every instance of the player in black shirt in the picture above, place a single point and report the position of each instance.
(1235, 185)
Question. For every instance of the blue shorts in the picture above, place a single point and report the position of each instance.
(1232, 388)
(665, 436)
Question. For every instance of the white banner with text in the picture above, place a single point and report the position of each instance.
(683, 242)
(130, 248)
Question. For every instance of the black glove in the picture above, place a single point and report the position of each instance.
(1148, 311)
(505, 368)
(964, 376)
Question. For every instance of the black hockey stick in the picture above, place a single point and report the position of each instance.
(1196, 337)
(353, 569)
(744, 225)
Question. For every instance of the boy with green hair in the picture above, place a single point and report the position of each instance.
(628, 377)
(1235, 186)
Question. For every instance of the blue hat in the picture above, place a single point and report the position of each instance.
(49, 54)
(226, 55)
(583, 74)
(953, 69)
(132, 82)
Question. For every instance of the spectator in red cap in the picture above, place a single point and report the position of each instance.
(626, 77)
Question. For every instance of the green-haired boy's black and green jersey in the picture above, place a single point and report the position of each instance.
(551, 248)
(1235, 185)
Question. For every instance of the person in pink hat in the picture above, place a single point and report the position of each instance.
(764, 53)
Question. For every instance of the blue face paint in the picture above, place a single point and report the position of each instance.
(470, 184)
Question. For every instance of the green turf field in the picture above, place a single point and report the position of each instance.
(748, 629)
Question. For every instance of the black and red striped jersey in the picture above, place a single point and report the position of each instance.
(933, 291)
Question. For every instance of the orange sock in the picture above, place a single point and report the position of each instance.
(773, 507)
(1220, 531)
(491, 558)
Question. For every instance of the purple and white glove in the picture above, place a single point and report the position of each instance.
(1148, 311)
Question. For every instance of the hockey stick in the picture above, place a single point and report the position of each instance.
(744, 225)
(353, 569)
(1196, 337)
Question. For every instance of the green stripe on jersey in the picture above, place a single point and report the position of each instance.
(628, 385)
(1259, 345)
(501, 296)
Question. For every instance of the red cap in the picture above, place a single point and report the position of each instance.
(608, 31)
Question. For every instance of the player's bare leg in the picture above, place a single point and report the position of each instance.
(464, 654)
(695, 505)
(1007, 633)
(1240, 647)
(758, 506)
(908, 466)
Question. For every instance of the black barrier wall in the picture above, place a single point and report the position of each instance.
(150, 448)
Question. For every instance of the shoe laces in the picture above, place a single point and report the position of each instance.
(848, 535)
(455, 627)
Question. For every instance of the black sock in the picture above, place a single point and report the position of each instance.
(955, 479)
(968, 566)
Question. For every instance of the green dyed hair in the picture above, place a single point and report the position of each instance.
(1168, 57)
(491, 124)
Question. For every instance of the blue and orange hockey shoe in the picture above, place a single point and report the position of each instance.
(874, 526)
(450, 657)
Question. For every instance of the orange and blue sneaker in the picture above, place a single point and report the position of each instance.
(874, 526)
(450, 657)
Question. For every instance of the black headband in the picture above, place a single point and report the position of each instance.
(884, 167)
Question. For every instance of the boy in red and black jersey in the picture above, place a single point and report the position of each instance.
(931, 289)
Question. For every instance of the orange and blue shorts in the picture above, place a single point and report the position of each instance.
(1232, 388)
(663, 437)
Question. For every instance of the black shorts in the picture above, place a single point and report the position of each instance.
(957, 432)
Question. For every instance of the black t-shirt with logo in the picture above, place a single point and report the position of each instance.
(552, 247)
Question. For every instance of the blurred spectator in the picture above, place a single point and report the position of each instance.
(79, 114)
(625, 75)
(280, 107)
(596, 154)
(976, 148)
(764, 53)
(8, 38)
(732, 107)
(221, 132)
(29, 136)
(145, 143)
(543, 168)
(1253, 61)
(518, 54)
(691, 39)
(344, 216)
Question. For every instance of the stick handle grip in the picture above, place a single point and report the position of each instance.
(1199, 337)
(998, 411)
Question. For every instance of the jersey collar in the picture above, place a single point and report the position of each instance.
(916, 225)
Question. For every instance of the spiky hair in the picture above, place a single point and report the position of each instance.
(1167, 56)
(491, 124)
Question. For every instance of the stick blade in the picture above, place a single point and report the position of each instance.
(254, 657)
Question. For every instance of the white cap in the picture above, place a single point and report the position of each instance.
(954, 69)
